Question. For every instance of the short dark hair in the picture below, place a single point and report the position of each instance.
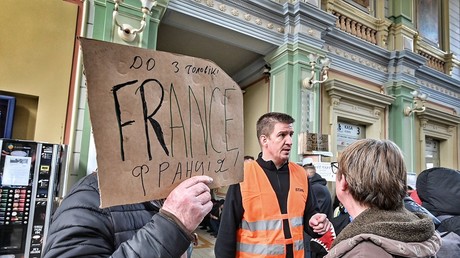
(266, 122)
(248, 157)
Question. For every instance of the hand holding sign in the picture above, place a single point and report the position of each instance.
(190, 201)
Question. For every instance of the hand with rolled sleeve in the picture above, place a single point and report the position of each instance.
(319, 223)
(190, 201)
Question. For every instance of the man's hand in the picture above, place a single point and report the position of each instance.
(319, 223)
(190, 201)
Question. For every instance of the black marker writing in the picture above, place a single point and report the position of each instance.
(154, 123)
(139, 171)
(115, 90)
(138, 62)
(221, 163)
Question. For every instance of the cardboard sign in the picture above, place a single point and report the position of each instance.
(159, 118)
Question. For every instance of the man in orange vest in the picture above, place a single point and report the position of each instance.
(267, 213)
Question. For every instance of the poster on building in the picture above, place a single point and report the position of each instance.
(313, 142)
(159, 118)
(348, 134)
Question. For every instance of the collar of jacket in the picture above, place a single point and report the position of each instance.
(401, 225)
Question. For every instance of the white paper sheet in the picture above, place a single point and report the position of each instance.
(16, 170)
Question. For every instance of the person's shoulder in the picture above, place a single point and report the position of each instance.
(84, 193)
(89, 182)
(364, 248)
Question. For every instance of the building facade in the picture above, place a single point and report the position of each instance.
(394, 70)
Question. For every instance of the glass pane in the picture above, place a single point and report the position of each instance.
(428, 20)
(431, 153)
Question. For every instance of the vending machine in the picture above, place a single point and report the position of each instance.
(29, 175)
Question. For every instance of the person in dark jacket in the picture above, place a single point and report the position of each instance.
(439, 191)
(319, 188)
(323, 197)
(79, 228)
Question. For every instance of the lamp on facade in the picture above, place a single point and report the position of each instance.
(126, 31)
(418, 104)
(325, 64)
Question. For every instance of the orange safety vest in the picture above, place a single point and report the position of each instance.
(261, 231)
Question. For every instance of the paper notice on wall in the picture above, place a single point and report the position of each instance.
(324, 170)
(159, 118)
(16, 170)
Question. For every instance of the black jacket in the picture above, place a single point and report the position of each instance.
(439, 190)
(322, 194)
(81, 229)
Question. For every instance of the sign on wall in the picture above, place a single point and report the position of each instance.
(159, 118)
(348, 134)
(309, 142)
(324, 170)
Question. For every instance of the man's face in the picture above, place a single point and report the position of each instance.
(277, 145)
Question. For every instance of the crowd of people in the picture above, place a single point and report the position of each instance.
(280, 209)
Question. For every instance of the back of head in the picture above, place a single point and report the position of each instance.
(310, 169)
(267, 122)
(307, 164)
(375, 172)
(439, 190)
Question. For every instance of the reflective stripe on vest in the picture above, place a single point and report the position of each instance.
(261, 233)
(269, 224)
(264, 249)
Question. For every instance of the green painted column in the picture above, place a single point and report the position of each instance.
(103, 29)
(401, 12)
(289, 66)
(402, 128)
(129, 12)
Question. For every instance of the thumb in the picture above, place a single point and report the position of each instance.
(195, 180)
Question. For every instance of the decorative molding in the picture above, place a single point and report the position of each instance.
(356, 94)
(335, 101)
(423, 122)
(377, 112)
(357, 59)
(243, 15)
(210, 3)
(235, 12)
(438, 88)
(435, 116)
(247, 17)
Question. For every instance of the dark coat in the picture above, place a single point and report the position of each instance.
(81, 229)
(322, 194)
(439, 190)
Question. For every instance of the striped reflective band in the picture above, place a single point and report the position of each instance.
(269, 224)
(298, 245)
(263, 249)
(262, 225)
(297, 221)
(266, 249)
